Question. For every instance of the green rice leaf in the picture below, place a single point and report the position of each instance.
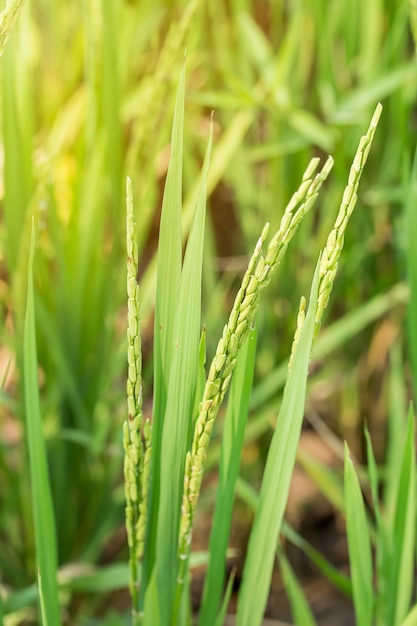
(43, 514)
(167, 291)
(301, 612)
(43, 609)
(220, 619)
(169, 259)
(250, 496)
(403, 555)
(382, 543)
(277, 477)
(176, 435)
(411, 233)
(359, 544)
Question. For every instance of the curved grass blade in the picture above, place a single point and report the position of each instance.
(176, 435)
(277, 476)
(168, 285)
(44, 522)
(359, 544)
(301, 612)
(403, 550)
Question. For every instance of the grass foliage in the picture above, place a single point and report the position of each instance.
(98, 499)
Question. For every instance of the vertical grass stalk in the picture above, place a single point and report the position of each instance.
(135, 457)
(43, 513)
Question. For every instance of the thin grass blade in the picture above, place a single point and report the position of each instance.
(221, 617)
(43, 514)
(359, 544)
(403, 555)
(277, 476)
(382, 539)
(301, 612)
(176, 435)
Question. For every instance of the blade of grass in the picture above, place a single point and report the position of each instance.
(359, 544)
(44, 522)
(382, 540)
(221, 617)
(277, 476)
(300, 610)
(176, 435)
(403, 555)
(168, 285)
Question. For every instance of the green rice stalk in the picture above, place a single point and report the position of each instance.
(8, 17)
(359, 544)
(335, 240)
(235, 332)
(300, 610)
(401, 576)
(383, 533)
(133, 447)
(168, 282)
(279, 468)
(180, 403)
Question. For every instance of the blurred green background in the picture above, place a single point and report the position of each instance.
(87, 93)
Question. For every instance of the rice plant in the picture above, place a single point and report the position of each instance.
(163, 473)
